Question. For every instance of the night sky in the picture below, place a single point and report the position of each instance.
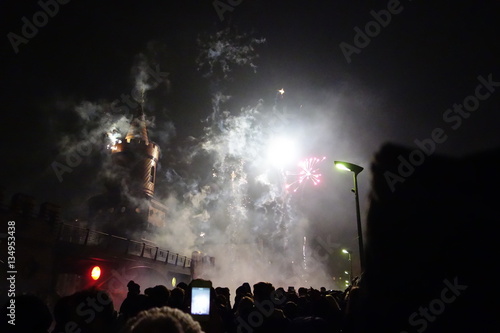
(394, 89)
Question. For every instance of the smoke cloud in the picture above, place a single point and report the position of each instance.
(230, 202)
(221, 51)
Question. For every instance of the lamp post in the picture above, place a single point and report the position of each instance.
(355, 169)
(350, 263)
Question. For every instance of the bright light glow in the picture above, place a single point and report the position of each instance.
(95, 274)
(345, 251)
(342, 167)
(281, 91)
(346, 272)
(114, 136)
(308, 171)
(174, 282)
(281, 151)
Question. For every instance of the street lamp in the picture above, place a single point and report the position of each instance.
(355, 169)
(350, 262)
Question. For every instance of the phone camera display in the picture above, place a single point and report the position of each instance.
(200, 301)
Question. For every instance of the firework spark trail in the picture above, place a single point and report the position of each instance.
(237, 144)
(304, 253)
(231, 141)
(308, 172)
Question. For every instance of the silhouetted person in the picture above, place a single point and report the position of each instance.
(159, 296)
(430, 233)
(31, 315)
(162, 320)
(309, 324)
(274, 319)
(224, 291)
(134, 303)
(87, 311)
(290, 310)
(241, 292)
(148, 291)
(354, 312)
(304, 306)
(176, 299)
(183, 285)
(336, 317)
(225, 313)
(246, 287)
(241, 316)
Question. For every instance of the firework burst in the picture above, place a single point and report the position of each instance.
(308, 172)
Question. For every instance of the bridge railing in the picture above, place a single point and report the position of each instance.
(87, 237)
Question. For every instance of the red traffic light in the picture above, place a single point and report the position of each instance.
(95, 273)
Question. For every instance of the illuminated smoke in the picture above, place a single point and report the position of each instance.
(234, 206)
(147, 75)
(99, 128)
(239, 210)
(230, 201)
(141, 79)
(220, 52)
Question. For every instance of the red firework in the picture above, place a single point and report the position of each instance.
(308, 172)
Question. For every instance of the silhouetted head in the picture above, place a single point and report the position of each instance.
(262, 291)
(245, 306)
(290, 310)
(176, 299)
(240, 291)
(90, 310)
(247, 288)
(183, 285)
(309, 324)
(133, 287)
(30, 314)
(164, 319)
(159, 295)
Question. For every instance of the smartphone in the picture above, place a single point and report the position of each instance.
(200, 300)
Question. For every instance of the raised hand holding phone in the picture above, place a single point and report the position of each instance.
(200, 299)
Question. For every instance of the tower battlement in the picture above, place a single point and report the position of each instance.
(129, 204)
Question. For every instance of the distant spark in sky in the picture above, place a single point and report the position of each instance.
(308, 172)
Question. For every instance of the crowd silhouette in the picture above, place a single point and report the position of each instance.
(262, 308)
